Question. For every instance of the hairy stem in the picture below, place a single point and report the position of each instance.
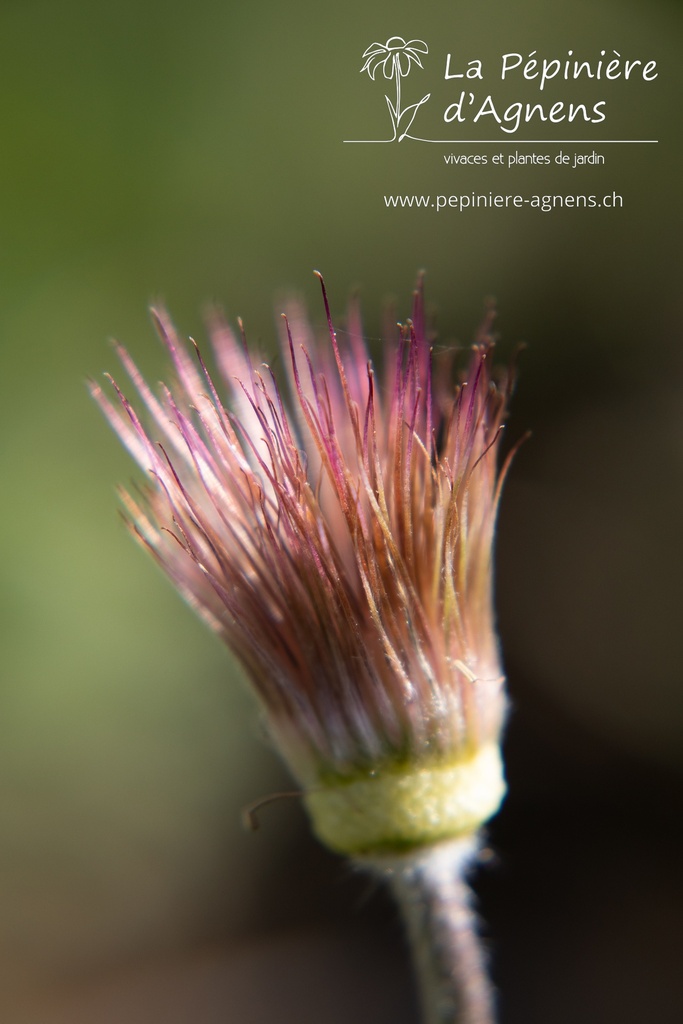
(430, 887)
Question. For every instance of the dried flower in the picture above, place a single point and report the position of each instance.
(342, 548)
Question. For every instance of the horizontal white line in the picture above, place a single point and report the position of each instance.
(519, 142)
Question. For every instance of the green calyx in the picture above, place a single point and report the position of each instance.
(411, 806)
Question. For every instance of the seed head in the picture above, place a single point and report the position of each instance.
(340, 541)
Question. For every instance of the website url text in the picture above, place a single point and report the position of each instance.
(497, 201)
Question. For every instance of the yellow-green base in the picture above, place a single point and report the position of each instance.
(411, 806)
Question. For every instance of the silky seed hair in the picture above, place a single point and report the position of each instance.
(335, 529)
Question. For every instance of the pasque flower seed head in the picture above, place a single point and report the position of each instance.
(339, 539)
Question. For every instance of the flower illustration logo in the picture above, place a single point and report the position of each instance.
(395, 58)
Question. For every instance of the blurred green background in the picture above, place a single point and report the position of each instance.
(193, 153)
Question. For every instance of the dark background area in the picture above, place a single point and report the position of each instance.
(193, 153)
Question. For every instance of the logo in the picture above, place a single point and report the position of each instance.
(396, 58)
(500, 96)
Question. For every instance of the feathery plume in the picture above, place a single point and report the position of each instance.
(339, 539)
